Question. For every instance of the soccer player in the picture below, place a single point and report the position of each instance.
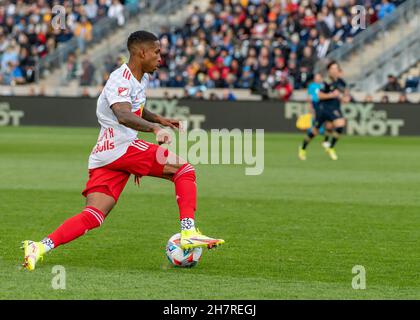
(119, 153)
(313, 90)
(329, 110)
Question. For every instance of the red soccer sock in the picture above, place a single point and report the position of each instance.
(186, 192)
(77, 226)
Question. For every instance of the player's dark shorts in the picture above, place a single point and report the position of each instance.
(327, 114)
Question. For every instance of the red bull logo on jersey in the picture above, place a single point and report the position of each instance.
(105, 141)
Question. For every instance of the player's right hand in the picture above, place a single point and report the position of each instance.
(163, 136)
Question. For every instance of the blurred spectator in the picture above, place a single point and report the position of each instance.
(102, 8)
(83, 32)
(163, 78)
(85, 92)
(27, 64)
(12, 74)
(385, 99)
(177, 82)
(213, 96)
(403, 98)
(166, 95)
(392, 84)
(116, 10)
(71, 67)
(91, 9)
(247, 79)
(308, 59)
(412, 84)
(10, 55)
(323, 47)
(262, 86)
(385, 9)
(284, 88)
(228, 95)
(88, 73)
(199, 94)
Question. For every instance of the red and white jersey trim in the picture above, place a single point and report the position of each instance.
(126, 74)
(139, 145)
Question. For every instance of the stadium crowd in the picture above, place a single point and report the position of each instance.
(27, 31)
(259, 44)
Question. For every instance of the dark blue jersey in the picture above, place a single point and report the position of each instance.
(329, 86)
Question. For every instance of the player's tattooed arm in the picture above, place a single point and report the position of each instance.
(152, 117)
(122, 111)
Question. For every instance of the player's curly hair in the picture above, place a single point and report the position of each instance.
(140, 37)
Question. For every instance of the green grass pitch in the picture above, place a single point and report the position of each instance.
(294, 232)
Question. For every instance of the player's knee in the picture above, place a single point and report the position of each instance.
(341, 122)
(185, 171)
(101, 202)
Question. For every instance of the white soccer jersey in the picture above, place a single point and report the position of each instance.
(114, 138)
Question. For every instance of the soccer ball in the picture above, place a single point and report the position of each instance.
(180, 257)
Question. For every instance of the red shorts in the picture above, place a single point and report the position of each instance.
(112, 178)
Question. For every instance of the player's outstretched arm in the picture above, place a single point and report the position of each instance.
(122, 111)
(152, 117)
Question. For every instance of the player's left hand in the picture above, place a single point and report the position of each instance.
(172, 123)
(163, 136)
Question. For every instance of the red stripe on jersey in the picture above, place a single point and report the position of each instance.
(124, 73)
(129, 76)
